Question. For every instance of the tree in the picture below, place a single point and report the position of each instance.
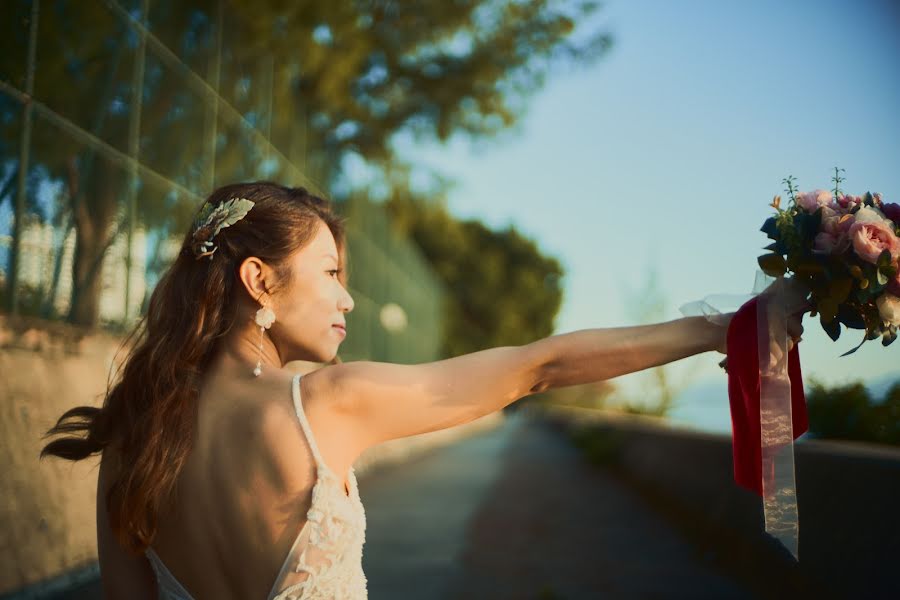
(236, 90)
(886, 417)
(502, 290)
(848, 412)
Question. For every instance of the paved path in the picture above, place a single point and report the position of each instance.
(417, 514)
(516, 513)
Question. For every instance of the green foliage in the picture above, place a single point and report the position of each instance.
(849, 413)
(283, 91)
(791, 189)
(837, 179)
(502, 291)
(772, 264)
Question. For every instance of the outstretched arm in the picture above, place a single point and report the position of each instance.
(383, 401)
(595, 354)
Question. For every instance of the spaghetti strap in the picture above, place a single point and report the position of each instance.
(298, 408)
(325, 560)
(169, 587)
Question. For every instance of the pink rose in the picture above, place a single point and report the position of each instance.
(892, 211)
(846, 201)
(828, 243)
(833, 232)
(830, 220)
(824, 242)
(844, 223)
(811, 201)
(871, 238)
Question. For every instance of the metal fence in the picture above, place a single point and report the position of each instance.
(109, 99)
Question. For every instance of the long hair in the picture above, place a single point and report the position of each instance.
(150, 413)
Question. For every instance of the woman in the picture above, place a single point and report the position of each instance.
(223, 475)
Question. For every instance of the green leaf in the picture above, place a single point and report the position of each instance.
(832, 327)
(855, 349)
(770, 228)
(772, 264)
(884, 259)
(809, 266)
(839, 289)
(850, 317)
(807, 226)
(827, 308)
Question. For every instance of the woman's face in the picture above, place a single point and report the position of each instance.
(309, 312)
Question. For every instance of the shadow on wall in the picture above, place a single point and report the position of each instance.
(48, 521)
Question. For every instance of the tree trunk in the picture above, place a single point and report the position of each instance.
(94, 208)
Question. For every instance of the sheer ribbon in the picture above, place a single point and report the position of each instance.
(765, 390)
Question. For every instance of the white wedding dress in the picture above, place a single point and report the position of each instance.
(325, 560)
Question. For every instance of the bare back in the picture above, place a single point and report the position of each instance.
(245, 490)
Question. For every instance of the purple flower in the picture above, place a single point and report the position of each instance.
(892, 211)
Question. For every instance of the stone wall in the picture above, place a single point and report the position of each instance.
(847, 496)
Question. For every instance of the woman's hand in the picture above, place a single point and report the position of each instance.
(794, 330)
(723, 321)
(794, 294)
(794, 327)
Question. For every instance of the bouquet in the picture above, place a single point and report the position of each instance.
(843, 256)
(846, 251)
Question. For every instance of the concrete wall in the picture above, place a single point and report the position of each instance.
(47, 508)
(848, 496)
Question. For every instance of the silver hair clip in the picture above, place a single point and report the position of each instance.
(212, 220)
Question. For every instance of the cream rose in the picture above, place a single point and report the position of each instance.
(871, 214)
(889, 308)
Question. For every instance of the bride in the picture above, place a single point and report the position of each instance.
(223, 475)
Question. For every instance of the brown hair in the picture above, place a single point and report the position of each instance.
(149, 414)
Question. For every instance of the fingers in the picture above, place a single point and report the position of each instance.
(794, 329)
(802, 310)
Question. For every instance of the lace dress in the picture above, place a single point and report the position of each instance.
(325, 560)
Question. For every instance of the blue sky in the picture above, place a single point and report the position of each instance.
(667, 152)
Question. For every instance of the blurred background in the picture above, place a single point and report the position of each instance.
(510, 170)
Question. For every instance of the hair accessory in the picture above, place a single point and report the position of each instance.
(212, 220)
(264, 318)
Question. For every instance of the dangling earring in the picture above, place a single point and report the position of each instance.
(264, 318)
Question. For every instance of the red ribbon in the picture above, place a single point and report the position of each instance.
(744, 396)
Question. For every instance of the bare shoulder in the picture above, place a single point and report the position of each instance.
(282, 434)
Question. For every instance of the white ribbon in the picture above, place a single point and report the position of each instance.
(778, 298)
